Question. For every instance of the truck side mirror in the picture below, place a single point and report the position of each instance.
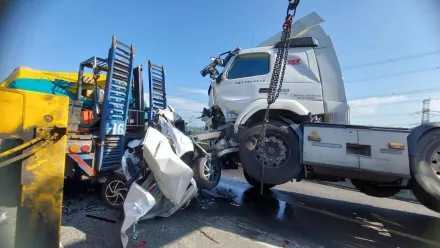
(217, 61)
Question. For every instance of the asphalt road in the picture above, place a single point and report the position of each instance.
(301, 214)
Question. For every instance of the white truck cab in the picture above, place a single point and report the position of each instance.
(312, 81)
(313, 89)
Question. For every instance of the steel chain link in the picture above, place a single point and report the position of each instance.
(276, 84)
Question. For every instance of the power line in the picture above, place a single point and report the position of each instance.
(386, 103)
(391, 60)
(391, 103)
(358, 97)
(397, 93)
(393, 75)
(390, 114)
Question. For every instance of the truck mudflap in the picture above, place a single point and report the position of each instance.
(33, 144)
(80, 160)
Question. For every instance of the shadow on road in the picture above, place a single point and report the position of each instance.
(279, 218)
(340, 186)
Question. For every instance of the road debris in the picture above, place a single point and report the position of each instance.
(89, 207)
(141, 244)
(219, 193)
(206, 235)
(100, 218)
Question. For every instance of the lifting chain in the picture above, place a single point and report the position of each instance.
(274, 86)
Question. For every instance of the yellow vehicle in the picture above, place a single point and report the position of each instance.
(46, 131)
(32, 157)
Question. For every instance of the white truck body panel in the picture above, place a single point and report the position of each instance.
(261, 104)
(337, 147)
(331, 150)
(382, 158)
(298, 27)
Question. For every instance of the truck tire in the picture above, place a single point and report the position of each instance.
(207, 177)
(425, 171)
(257, 184)
(371, 189)
(283, 158)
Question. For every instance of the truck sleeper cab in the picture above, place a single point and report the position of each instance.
(312, 80)
(312, 84)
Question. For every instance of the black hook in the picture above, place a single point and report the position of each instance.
(293, 5)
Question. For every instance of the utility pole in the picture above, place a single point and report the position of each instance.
(426, 112)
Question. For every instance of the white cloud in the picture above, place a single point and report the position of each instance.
(370, 105)
(194, 91)
(185, 104)
(435, 104)
(185, 107)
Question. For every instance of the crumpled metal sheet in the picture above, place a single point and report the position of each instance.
(170, 114)
(140, 204)
(165, 208)
(137, 203)
(132, 160)
(166, 128)
(169, 186)
(172, 175)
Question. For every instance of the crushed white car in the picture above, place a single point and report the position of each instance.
(166, 175)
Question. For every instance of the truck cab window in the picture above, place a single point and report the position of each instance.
(249, 65)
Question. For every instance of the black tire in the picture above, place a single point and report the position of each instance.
(371, 189)
(257, 184)
(289, 169)
(199, 173)
(109, 197)
(425, 183)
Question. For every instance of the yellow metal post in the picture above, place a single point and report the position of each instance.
(33, 210)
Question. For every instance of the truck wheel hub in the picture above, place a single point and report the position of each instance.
(435, 162)
(274, 153)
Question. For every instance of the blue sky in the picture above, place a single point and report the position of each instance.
(182, 35)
